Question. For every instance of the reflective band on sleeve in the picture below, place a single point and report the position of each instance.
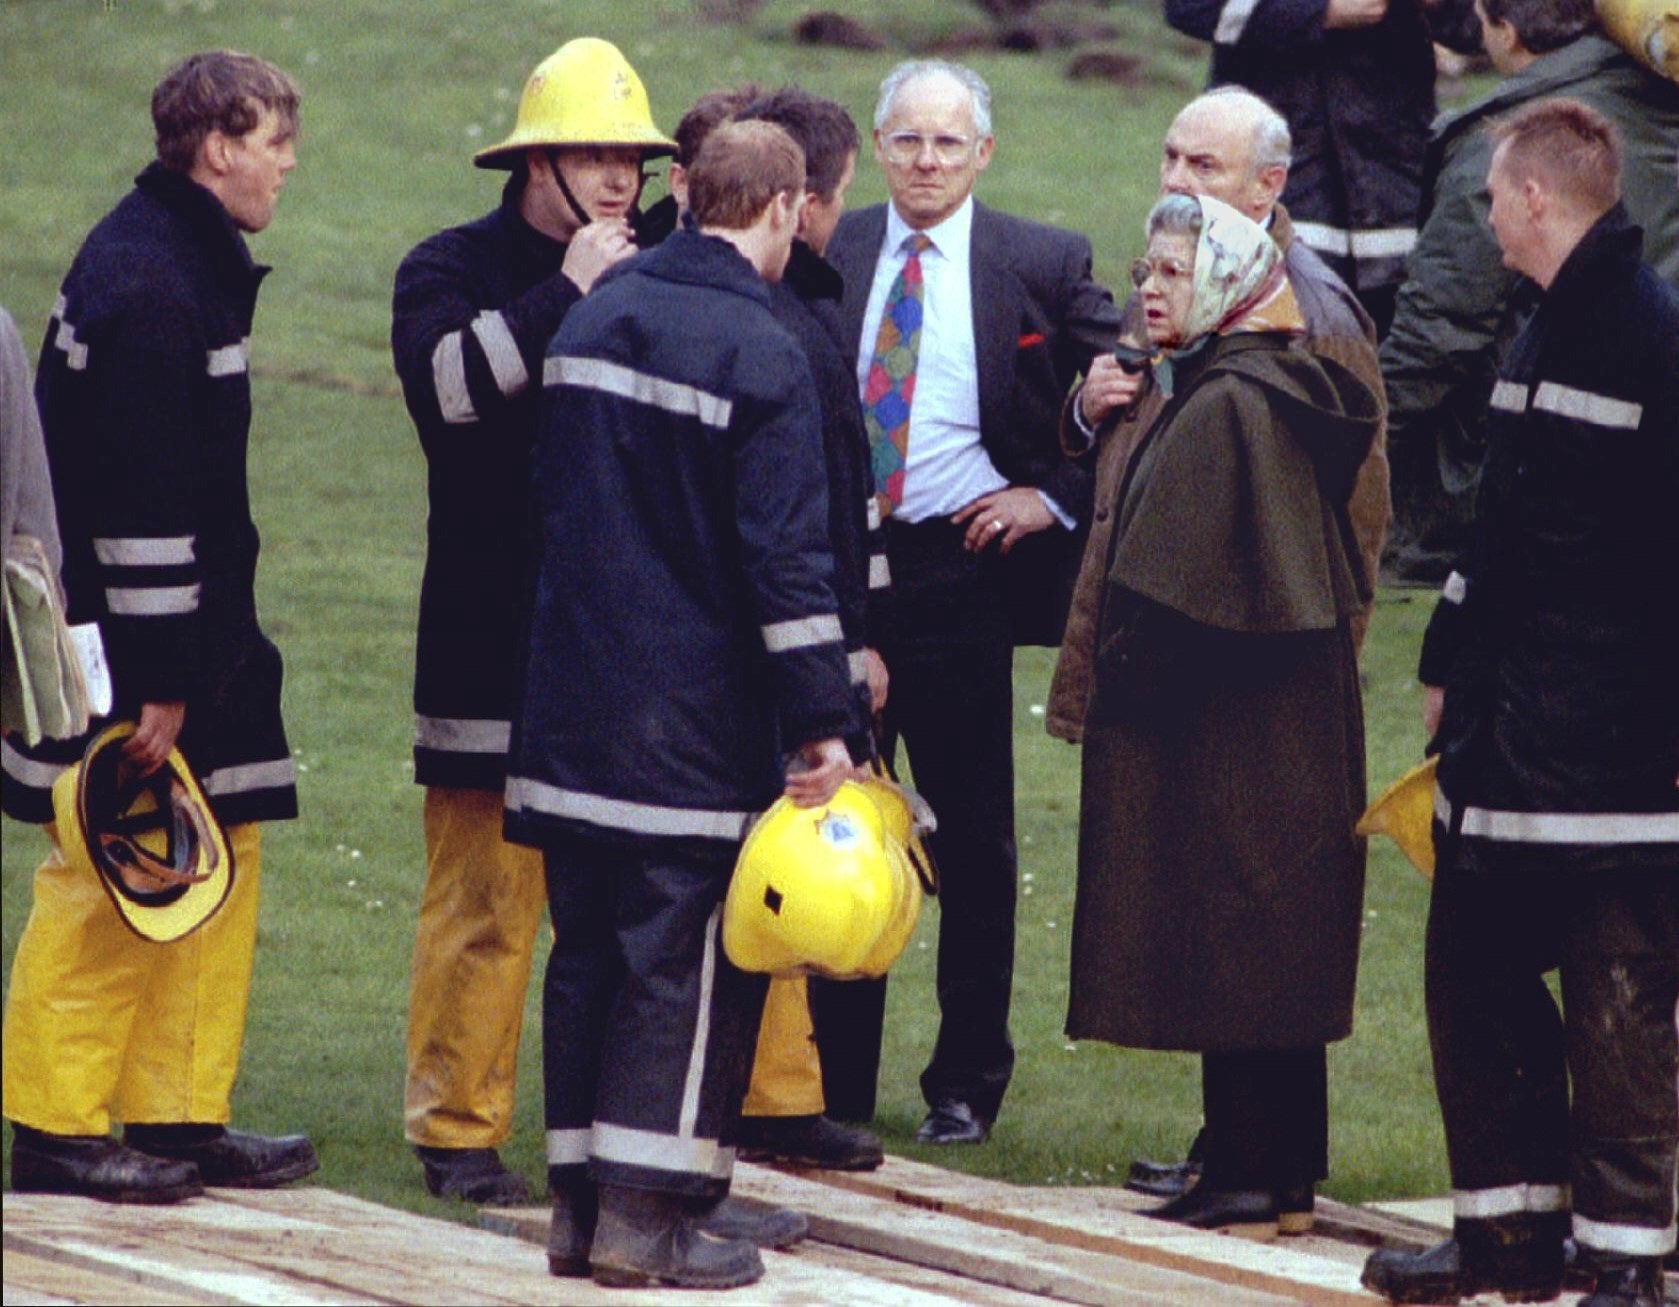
(659, 1152)
(858, 663)
(462, 734)
(1456, 589)
(75, 353)
(614, 379)
(501, 351)
(448, 375)
(230, 360)
(802, 633)
(1562, 827)
(1509, 397)
(27, 771)
(523, 794)
(689, 1114)
(1233, 21)
(874, 513)
(880, 575)
(1629, 1240)
(145, 551)
(247, 777)
(568, 1147)
(1506, 1200)
(152, 601)
(1583, 406)
(1374, 243)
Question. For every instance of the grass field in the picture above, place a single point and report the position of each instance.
(397, 95)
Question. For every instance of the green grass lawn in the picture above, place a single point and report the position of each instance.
(396, 96)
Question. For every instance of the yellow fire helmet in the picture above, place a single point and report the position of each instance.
(1404, 812)
(1648, 30)
(585, 93)
(153, 842)
(824, 889)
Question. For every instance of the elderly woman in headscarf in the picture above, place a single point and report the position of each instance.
(1220, 883)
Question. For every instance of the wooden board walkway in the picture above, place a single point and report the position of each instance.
(908, 1235)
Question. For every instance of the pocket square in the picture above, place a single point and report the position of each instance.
(1030, 339)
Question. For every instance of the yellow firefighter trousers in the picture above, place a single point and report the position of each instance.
(482, 903)
(102, 1024)
(787, 1073)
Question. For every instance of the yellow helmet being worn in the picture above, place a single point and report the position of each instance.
(825, 889)
(152, 841)
(585, 93)
(1404, 812)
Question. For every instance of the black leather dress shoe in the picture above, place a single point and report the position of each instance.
(1162, 1179)
(952, 1122)
(1634, 1282)
(1246, 1213)
(812, 1141)
(474, 1175)
(227, 1158)
(97, 1166)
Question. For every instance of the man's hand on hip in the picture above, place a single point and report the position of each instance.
(1003, 518)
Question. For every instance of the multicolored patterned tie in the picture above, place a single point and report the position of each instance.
(889, 388)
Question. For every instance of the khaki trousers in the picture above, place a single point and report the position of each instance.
(472, 958)
(102, 1024)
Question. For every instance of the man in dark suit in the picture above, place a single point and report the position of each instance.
(970, 326)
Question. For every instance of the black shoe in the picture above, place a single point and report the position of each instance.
(97, 1166)
(1162, 1179)
(1632, 1282)
(571, 1228)
(1519, 1257)
(952, 1122)
(228, 1158)
(645, 1237)
(1245, 1213)
(812, 1141)
(1295, 1209)
(475, 1175)
(760, 1224)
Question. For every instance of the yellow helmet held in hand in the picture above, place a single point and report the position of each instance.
(585, 93)
(1404, 812)
(825, 889)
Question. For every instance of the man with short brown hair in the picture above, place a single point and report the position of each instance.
(685, 667)
(145, 397)
(1554, 712)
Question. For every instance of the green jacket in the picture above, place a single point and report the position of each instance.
(1458, 306)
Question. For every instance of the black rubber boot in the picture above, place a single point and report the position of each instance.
(759, 1224)
(812, 1141)
(645, 1237)
(1626, 1282)
(475, 1175)
(1517, 1256)
(571, 1228)
(228, 1158)
(97, 1166)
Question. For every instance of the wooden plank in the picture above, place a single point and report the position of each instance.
(31, 1278)
(1090, 1221)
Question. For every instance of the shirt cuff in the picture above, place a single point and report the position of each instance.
(1084, 428)
(1057, 512)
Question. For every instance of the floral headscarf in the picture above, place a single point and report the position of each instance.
(1240, 284)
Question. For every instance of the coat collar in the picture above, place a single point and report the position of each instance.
(205, 217)
(1606, 253)
(810, 276)
(1547, 75)
(691, 258)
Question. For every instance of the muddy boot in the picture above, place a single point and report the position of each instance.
(1517, 1256)
(646, 1237)
(1626, 1282)
(760, 1224)
(571, 1228)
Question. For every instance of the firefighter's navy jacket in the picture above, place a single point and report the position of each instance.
(1557, 640)
(145, 396)
(806, 302)
(473, 310)
(1359, 102)
(684, 634)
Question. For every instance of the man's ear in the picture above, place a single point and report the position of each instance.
(215, 152)
(1272, 178)
(676, 179)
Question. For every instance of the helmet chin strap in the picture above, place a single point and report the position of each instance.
(577, 209)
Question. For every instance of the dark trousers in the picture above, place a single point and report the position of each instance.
(1504, 1056)
(1267, 1118)
(647, 1028)
(943, 632)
